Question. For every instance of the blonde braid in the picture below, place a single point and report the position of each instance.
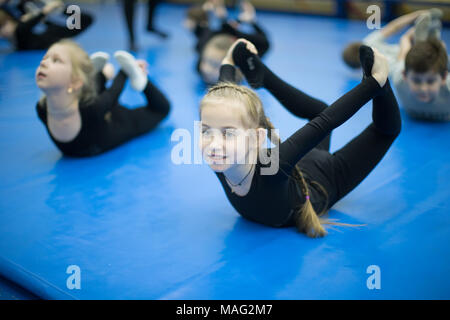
(227, 85)
(306, 219)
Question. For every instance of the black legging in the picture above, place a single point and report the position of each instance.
(126, 122)
(128, 6)
(342, 171)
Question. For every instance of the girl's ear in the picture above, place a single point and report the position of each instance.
(77, 84)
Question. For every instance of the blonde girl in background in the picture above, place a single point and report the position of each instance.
(82, 117)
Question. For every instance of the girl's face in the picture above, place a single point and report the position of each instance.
(225, 140)
(55, 69)
(210, 64)
(8, 29)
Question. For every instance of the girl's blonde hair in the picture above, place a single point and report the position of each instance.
(82, 69)
(306, 218)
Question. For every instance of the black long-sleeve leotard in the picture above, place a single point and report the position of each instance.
(106, 124)
(26, 39)
(205, 34)
(272, 199)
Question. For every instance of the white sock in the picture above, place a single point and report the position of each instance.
(138, 79)
(436, 13)
(99, 59)
(435, 29)
(422, 27)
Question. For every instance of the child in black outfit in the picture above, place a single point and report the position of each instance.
(21, 32)
(212, 45)
(82, 116)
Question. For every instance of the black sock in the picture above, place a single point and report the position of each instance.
(250, 65)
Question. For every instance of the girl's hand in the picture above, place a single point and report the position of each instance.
(208, 6)
(229, 56)
(26, 17)
(380, 68)
(220, 11)
(234, 24)
(248, 13)
(52, 6)
(143, 65)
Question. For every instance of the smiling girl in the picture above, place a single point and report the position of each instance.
(82, 117)
(309, 180)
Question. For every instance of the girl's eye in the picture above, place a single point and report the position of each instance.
(431, 81)
(230, 133)
(206, 132)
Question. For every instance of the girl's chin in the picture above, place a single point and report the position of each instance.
(219, 167)
(41, 84)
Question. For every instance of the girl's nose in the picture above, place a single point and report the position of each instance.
(217, 141)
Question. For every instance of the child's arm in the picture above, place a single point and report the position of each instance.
(248, 15)
(110, 97)
(405, 44)
(401, 22)
(228, 69)
(28, 21)
(227, 73)
(258, 37)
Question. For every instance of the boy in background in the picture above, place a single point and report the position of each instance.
(418, 64)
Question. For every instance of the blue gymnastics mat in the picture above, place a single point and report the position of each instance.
(140, 227)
